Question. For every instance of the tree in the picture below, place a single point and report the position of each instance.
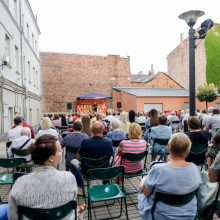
(207, 93)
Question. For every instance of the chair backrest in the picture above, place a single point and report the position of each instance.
(72, 149)
(48, 214)
(160, 141)
(20, 152)
(17, 175)
(172, 200)
(106, 173)
(11, 162)
(198, 148)
(116, 143)
(135, 157)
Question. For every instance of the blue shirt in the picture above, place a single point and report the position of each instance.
(174, 180)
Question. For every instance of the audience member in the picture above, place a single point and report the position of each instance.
(22, 142)
(125, 124)
(63, 120)
(56, 121)
(44, 188)
(74, 139)
(213, 122)
(134, 145)
(86, 125)
(172, 178)
(25, 124)
(131, 116)
(206, 117)
(46, 128)
(116, 133)
(16, 131)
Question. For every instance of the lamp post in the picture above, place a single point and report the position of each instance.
(191, 17)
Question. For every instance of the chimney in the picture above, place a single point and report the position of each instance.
(181, 37)
(151, 71)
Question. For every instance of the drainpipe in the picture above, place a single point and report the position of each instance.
(22, 65)
(1, 98)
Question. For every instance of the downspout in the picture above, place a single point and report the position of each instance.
(22, 65)
(1, 98)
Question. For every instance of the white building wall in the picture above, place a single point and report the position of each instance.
(19, 92)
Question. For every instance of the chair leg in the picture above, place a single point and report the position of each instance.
(126, 210)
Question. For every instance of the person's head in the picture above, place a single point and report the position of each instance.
(56, 117)
(46, 151)
(179, 145)
(99, 117)
(97, 128)
(77, 126)
(173, 113)
(131, 116)
(45, 123)
(210, 109)
(25, 131)
(17, 120)
(215, 111)
(124, 117)
(194, 122)
(153, 117)
(135, 131)
(204, 111)
(162, 120)
(115, 124)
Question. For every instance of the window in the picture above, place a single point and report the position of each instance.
(33, 41)
(34, 77)
(29, 72)
(7, 47)
(28, 32)
(16, 9)
(16, 59)
(37, 79)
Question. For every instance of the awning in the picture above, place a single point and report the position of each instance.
(93, 95)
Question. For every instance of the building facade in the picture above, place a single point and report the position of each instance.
(20, 87)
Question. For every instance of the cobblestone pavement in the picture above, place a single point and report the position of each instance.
(102, 212)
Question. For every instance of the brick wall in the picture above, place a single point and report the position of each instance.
(178, 63)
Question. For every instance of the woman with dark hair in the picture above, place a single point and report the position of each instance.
(131, 116)
(86, 125)
(63, 120)
(46, 187)
(152, 120)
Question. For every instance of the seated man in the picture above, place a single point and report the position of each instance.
(22, 142)
(15, 132)
(96, 146)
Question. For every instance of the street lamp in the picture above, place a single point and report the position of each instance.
(191, 17)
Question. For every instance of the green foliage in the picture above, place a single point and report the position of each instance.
(207, 93)
(212, 44)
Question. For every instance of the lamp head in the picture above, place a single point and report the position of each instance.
(191, 17)
(205, 26)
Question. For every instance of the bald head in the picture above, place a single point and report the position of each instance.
(97, 128)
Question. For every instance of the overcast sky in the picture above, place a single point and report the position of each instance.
(145, 30)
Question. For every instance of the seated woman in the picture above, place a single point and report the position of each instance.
(197, 137)
(46, 187)
(162, 131)
(116, 134)
(46, 128)
(134, 145)
(176, 177)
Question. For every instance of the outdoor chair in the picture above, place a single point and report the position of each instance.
(163, 143)
(135, 158)
(7, 178)
(106, 192)
(90, 163)
(197, 155)
(8, 144)
(143, 127)
(70, 149)
(48, 214)
(172, 200)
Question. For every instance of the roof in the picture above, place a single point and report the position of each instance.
(93, 95)
(155, 92)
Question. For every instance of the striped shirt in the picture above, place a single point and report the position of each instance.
(134, 147)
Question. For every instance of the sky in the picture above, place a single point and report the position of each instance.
(145, 30)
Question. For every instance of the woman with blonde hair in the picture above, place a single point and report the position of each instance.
(134, 145)
(46, 128)
(176, 177)
(86, 125)
(125, 124)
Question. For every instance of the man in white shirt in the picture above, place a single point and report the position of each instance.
(16, 131)
(22, 142)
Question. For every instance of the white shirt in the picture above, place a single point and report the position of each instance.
(47, 131)
(14, 133)
(18, 142)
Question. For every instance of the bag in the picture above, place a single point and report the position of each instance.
(207, 213)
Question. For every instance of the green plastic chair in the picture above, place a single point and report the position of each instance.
(8, 144)
(70, 149)
(48, 214)
(106, 192)
(7, 178)
(197, 155)
(163, 142)
(90, 163)
(172, 200)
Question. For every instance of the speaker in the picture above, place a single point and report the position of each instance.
(69, 106)
(118, 104)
